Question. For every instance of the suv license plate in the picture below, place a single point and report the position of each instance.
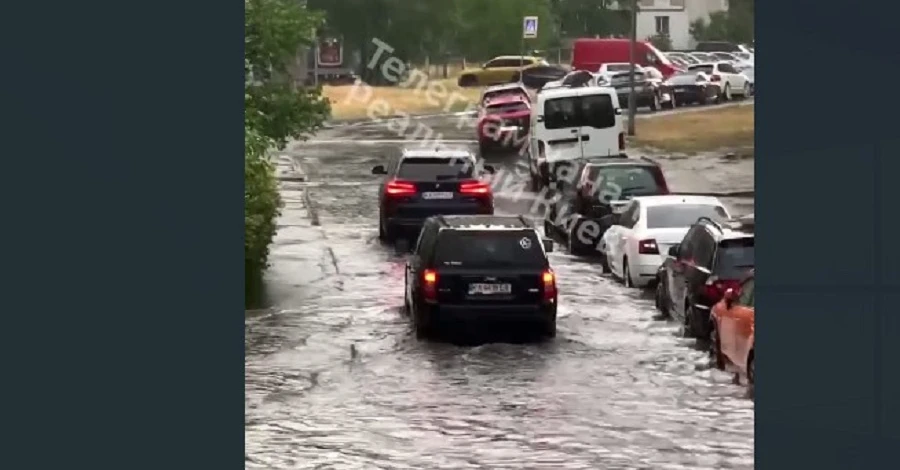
(437, 195)
(490, 289)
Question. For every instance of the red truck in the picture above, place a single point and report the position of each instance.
(589, 54)
(503, 121)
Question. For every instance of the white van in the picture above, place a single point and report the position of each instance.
(570, 124)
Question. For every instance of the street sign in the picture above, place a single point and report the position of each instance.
(530, 27)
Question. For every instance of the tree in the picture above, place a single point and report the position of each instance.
(734, 25)
(661, 42)
(275, 110)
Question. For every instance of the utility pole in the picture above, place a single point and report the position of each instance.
(632, 47)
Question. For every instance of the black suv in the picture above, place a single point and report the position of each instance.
(696, 273)
(477, 268)
(422, 183)
(589, 193)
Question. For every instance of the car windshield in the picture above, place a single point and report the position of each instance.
(506, 108)
(683, 215)
(735, 257)
(431, 169)
(579, 111)
(490, 249)
(701, 68)
(611, 183)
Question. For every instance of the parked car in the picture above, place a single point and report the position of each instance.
(732, 82)
(745, 57)
(696, 273)
(718, 46)
(590, 54)
(503, 122)
(646, 90)
(498, 70)
(733, 335)
(693, 86)
(537, 76)
(702, 57)
(690, 60)
(633, 246)
(591, 192)
(476, 268)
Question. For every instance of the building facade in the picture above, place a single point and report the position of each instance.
(672, 18)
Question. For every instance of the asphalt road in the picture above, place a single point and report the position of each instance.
(336, 380)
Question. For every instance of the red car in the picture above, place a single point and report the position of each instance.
(503, 122)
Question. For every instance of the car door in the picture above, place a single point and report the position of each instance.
(731, 74)
(599, 132)
(736, 325)
(677, 275)
(612, 238)
(558, 126)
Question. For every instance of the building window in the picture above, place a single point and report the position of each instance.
(662, 25)
(646, 3)
(677, 3)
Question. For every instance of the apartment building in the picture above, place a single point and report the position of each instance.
(673, 18)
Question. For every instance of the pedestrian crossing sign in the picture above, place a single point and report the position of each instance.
(529, 27)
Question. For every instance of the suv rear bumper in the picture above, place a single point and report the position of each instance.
(487, 312)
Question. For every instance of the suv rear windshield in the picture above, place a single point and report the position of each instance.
(486, 249)
(430, 169)
(735, 259)
(682, 215)
(580, 111)
(618, 181)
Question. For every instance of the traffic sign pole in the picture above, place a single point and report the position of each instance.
(529, 31)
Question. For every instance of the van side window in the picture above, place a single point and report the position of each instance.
(598, 111)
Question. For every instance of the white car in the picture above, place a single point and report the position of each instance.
(748, 71)
(635, 246)
(731, 81)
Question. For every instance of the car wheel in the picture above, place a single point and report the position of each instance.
(654, 103)
(467, 80)
(686, 329)
(715, 347)
(727, 93)
(662, 303)
(626, 274)
(746, 92)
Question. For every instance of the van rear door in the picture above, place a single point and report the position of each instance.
(560, 128)
(600, 123)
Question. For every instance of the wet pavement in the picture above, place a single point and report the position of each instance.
(335, 379)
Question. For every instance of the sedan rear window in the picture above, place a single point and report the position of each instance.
(506, 108)
(735, 257)
(617, 182)
(490, 249)
(682, 215)
(580, 111)
(430, 169)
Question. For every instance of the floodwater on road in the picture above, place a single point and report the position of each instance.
(335, 379)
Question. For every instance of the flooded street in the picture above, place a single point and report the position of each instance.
(335, 379)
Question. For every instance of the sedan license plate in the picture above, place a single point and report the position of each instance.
(490, 289)
(437, 195)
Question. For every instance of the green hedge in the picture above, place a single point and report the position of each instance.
(262, 203)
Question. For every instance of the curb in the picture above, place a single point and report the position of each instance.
(289, 169)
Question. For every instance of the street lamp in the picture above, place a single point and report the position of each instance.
(632, 47)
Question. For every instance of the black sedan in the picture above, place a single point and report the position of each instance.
(692, 87)
(645, 90)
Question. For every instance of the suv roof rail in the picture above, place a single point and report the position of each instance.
(713, 222)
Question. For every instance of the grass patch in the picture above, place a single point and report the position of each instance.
(348, 102)
(698, 131)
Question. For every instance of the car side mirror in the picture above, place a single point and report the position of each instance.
(548, 245)
(540, 118)
(673, 251)
(379, 170)
(618, 111)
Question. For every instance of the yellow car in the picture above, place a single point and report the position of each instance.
(498, 70)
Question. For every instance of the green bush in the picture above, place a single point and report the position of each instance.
(261, 202)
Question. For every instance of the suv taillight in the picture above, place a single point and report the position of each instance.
(548, 279)
(474, 188)
(715, 288)
(400, 188)
(429, 285)
(648, 247)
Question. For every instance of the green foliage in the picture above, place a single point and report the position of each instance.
(734, 25)
(275, 110)
(661, 42)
